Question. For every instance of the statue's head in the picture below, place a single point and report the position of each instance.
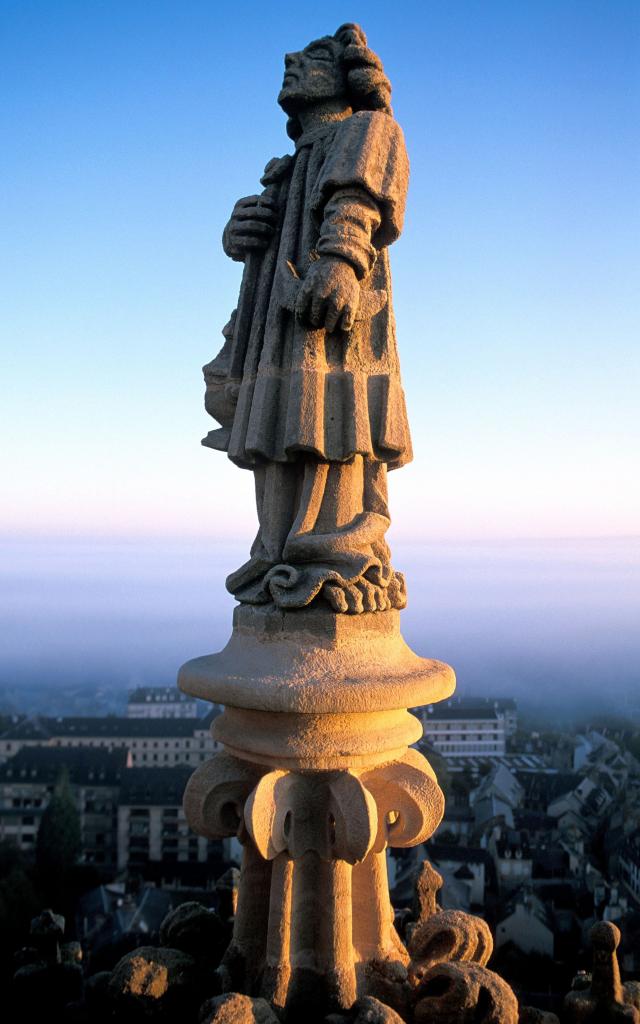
(339, 67)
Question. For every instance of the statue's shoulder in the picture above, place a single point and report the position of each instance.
(372, 127)
(368, 150)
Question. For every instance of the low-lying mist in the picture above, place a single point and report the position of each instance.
(553, 623)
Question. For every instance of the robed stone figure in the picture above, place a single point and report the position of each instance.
(307, 385)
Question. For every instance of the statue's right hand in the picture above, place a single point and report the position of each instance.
(251, 226)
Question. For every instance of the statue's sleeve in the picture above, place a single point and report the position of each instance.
(367, 153)
(350, 220)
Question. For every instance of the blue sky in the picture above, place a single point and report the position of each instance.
(130, 130)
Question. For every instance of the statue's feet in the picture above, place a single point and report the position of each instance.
(364, 596)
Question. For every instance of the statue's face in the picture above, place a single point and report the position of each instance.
(312, 75)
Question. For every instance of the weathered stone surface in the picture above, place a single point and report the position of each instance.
(49, 974)
(448, 935)
(386, 981)
(427, 887)
(370, 1010)
(325, 900)
(632, 993)
(71, 953)
(314, 662)
(96, 989)
(41, 986)
(233, 1008)
(159, 983)
(464, 993)
(531, 1015)
(47, 933)
(227, 887)
(194, 929)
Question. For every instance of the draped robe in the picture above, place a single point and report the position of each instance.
(319, 416)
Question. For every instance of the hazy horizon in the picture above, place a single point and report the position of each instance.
(552, 623)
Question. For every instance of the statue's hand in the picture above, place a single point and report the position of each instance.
(329, 295)
(251, 226)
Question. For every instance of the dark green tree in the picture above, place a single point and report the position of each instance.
(59, 839)
(19, 902)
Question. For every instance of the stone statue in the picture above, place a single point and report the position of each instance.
(317, 777)
(307, 385)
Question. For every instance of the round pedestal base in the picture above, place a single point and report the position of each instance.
(314, 661)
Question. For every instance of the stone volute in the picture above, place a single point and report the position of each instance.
(317, 776)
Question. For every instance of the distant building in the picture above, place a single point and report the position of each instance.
(151, 822)
(110, 919)
(453, 728)
(497, 797)
(457, 823)
(20, 733)
(512, 857)
(586, 804)
(130, 818)
(630, 865)
(159, 742)
(528, 925)
(475, 764)
(28, 781)
(505, 708)
(161, 702)
(466, 872)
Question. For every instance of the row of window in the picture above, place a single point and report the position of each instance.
(471, 724)
(141, 859)
(136, 743)
(168, 843)
(470, 748)
(478, 738)
(169, 758)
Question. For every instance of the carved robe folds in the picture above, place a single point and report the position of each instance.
(320, 416)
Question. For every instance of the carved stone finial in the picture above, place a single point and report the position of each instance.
(606, 1000)
(448, 935)
(464, 993)
(428, 885)
(440, 936)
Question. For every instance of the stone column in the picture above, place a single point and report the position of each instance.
(316, 778)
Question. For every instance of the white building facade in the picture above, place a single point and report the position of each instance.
(454, 730)
(160, 702)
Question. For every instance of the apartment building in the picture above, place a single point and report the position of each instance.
(28, 781)
(151, 822)
(455, 729)
(151, 742)
(161, 702)
(130, 818)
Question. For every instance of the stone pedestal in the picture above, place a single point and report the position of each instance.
(316, 779)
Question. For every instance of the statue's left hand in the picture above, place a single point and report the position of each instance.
(329, 295)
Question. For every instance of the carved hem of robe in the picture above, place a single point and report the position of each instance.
(321, 525)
